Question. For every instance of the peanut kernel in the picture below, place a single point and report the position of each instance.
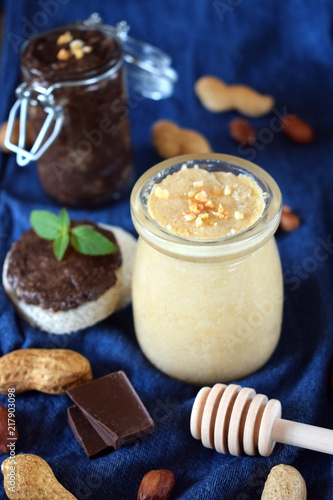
(63, 55)
(201, 196)
(198, 221)
(64, 38)
(87, 49)
(204, 215)
(227, 190)
(76, 44)
(188, 216)
(78, 53)
(239, 215)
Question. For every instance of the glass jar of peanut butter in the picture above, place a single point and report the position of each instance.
(207, 284)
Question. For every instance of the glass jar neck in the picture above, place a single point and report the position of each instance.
(237, 245)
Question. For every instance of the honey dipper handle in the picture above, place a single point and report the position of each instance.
(303, 435)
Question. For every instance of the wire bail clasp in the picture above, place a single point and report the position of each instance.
(33, 96)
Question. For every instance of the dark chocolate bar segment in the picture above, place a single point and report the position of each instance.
(113, 408)
(85, 434)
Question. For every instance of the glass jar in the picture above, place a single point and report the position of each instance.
(207, 311)
(77, 108)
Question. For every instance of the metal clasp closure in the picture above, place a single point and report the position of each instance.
(33, 96)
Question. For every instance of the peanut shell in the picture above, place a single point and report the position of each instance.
(52, 371)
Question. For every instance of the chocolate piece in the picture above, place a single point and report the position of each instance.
(85, 434)
(37, 277)
(113, 408)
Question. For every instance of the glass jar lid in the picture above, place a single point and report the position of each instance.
(148, 68)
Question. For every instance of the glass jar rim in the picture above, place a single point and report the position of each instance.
(237, 244)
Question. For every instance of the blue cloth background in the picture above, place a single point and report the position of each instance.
(281, 48)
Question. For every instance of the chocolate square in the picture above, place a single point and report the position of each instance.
(113, 408)
(89, 439)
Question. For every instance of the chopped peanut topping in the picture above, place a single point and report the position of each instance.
(198, 222)
(194, 207)
(204, 215)
(65, 38)
(64, 54)
(76, 44)
(201, 196)
(87, 49)
(188, 216)
(78, 53)
(199, 204)
(239, 215)
(162, 194)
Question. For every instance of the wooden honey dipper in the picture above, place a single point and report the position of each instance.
(238, 421)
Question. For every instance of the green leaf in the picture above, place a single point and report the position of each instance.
(45, 224)
(86, 240)
(64, 219)
(60, 244)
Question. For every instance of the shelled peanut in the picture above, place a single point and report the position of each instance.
(297, 130)
(156, 485)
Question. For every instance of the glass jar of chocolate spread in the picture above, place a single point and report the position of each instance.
(74, 99)
(207, 283)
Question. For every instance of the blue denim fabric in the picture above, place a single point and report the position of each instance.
(280, 48)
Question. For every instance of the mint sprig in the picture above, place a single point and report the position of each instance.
(57, 228)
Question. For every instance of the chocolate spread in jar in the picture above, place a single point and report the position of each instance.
(90, 161)
(37, 277)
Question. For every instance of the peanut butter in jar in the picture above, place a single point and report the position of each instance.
(207, 287)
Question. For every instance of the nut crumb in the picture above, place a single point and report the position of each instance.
(87, 49)
(216, 191)
(198, 184)
(209, 204)
(64, 55)
(64, 38)
(201, 196)
(78, 53)
(204, 215)
(189, 216)
(239, 215)
(198, 221)
(76, 44)
(227, 190)
(162, 194)
(191, 194)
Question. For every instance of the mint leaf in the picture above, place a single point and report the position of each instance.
(64, 219)
(45, 224)
(60, 244)
(86, 240)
